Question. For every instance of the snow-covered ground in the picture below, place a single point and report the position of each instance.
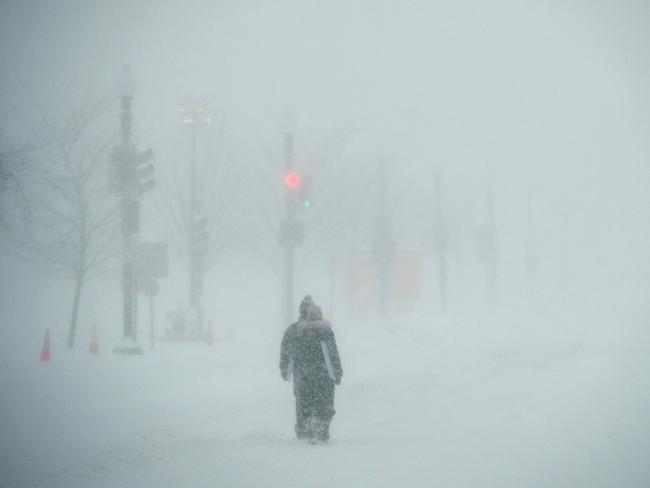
(474, 404)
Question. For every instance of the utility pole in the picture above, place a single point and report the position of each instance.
(332, 278)
(193, 115)
(531, 255)
(383, 245)
(289, 240)
(441, 240)
(492, 264)
(5, 176)
(487, 248)
(129, 178)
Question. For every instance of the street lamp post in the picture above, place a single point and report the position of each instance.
(193, 115)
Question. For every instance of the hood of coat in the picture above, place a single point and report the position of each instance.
(314, 313)
(314, 325)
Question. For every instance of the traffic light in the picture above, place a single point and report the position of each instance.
(129, 171)
(305, 193)
(144, 171)
(299, 188)
(292, 179)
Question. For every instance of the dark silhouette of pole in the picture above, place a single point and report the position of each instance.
(126, 160)
(195, 271)
(440, 240)
(152, 327)
(290, 244)
(332, 279)
(531, 255)
(194, 115)
(129, 206)
(491, 261)
(130, 176)
(383, 244)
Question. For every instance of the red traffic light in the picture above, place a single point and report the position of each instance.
(292, 179)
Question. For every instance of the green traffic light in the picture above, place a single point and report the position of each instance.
(306, 204)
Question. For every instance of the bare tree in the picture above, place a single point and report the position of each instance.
(68, 222)
(13, 158)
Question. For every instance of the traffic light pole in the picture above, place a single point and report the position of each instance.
(440, 241)
(129, 237)
(383, 245)
(487, 249)
(129, 177)
(289, 249)
(491, 261)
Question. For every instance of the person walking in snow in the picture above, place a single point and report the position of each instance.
(287, 353)
(316, 370)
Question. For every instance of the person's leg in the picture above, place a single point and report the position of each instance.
(300, 419)
(310, 408)
(325, 412)
(300, 394)
(325, 430)
(312, 429)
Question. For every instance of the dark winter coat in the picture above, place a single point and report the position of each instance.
(287, 349)
(302, 344)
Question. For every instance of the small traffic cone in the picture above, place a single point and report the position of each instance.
(94, 346)
(45, 352)
(209, 336)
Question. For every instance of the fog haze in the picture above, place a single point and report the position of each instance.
(531, 116)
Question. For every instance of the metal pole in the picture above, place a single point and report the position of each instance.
(128, 239)
(492, 264)
(196, 271)
(531, 263)
(193, 251)
(128, 190)
(441, 243)
(332, 273)
(290, 248)
(383, 267)
(151, 321)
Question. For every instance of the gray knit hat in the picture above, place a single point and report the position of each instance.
(304, 305)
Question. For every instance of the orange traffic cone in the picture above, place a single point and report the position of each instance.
(45, 352)
(94, 346)
(209, 337)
